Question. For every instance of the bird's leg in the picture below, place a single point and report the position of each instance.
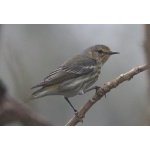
(76, 112)
(93, 88)
(66, 98)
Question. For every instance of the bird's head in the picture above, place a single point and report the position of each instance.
(100, 53)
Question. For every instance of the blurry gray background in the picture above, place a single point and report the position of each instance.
(28, 53)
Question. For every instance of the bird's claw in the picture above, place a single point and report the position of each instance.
(77, 115)
(98, 87)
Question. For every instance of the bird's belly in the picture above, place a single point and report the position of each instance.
(77, 86)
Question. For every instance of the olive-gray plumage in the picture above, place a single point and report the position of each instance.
(71, 69)
(75, 75)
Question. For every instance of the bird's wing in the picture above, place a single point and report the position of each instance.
(73, 68)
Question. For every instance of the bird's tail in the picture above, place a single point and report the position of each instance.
(29, 98)
(37, 94)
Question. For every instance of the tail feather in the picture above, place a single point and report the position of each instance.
(38, 85)
(29, 98)
(43, 91)
(33, 96)
(37, 94)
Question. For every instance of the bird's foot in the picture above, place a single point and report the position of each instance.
(98, 87)
(79, 117)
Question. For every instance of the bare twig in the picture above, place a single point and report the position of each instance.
(103, 90)
(12, 110)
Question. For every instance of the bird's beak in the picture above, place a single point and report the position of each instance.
(111, 53)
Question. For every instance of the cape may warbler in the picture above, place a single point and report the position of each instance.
(76, 75)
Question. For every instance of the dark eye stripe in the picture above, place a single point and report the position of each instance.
(99, 51)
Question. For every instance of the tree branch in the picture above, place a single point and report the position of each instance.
(12, 110)
(103, 90)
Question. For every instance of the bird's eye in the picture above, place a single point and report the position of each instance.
(100, 51)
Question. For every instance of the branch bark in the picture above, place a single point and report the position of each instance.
(102, 91)
(12, 110)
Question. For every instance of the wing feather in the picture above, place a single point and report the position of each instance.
(73, 68)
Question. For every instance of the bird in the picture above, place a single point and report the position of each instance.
(75, 76)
